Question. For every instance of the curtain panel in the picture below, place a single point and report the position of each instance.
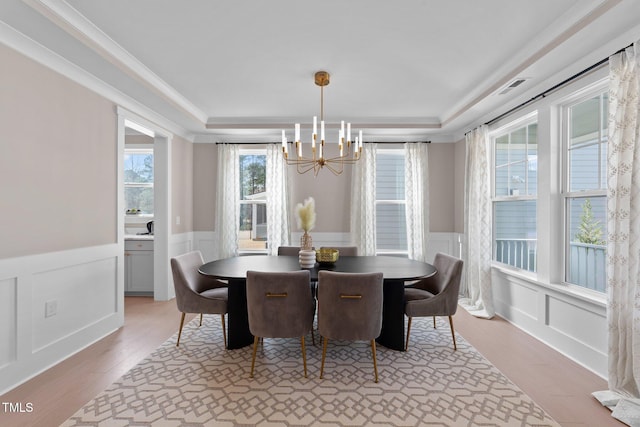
(417, 196)
(228, 200)
(277, 200)
(623, 247)
(476, 290)
(363, 201)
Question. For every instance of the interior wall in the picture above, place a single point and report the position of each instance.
(442, 176)
(182, 179)
(57, 160)
(61, 265)
(332, 193)
(205, 178)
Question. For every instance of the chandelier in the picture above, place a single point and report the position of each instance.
(348, 151)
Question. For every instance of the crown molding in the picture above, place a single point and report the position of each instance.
(78, 26)
(28, 47)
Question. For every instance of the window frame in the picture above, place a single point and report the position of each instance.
(241, 202)
(391, 202)
(566, 194)
(523, 121)
(141, 149)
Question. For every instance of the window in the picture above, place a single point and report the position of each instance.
(391, 228)
(585, 192)
(514, 196)
(138, 180)
(252, 236)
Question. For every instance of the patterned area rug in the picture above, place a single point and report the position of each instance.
(202, 384)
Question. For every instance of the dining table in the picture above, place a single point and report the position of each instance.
(396, 272)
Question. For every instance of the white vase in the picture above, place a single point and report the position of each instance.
(307, 258)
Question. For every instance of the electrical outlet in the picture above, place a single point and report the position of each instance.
(50, 308)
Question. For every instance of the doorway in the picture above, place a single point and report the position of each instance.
(160, 141)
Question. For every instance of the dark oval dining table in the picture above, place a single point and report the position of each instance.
(395, 270)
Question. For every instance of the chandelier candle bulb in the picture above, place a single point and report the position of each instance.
(315, 131)
(348, 133)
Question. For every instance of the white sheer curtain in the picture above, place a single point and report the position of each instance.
(477, 220)
(363, 201)
(277, 200)
(416, 157)
(623, 229)
(227, 201)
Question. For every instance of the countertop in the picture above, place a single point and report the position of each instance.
(138, 237)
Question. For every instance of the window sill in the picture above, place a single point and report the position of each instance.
(583, 294)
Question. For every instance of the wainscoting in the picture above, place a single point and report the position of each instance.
(574, 325)
(53, 305)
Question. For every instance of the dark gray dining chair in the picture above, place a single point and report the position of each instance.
(344, 250)
(349, 308)
(288, 250)
(197, 293)
(436, 295)
(279, 306)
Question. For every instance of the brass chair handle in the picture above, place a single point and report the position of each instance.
(270, 295)
(350, 296)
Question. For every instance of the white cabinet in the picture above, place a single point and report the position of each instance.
(138, 267)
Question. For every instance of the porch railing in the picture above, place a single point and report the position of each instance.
(587, 266)
(519, 253)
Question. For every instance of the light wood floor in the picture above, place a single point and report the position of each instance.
(556, 383)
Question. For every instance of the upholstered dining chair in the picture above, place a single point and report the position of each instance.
(279, 306)
(197, 293)
(350, 309)
(436, 295)
(288, 250)
(344, 250)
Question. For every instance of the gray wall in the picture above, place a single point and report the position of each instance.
(332, 193)
(57, 161)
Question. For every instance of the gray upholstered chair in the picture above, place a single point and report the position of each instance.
(436, 295)
(349, 308)
(279, 306)
(197, 293)
(288, 250)
(344, 250)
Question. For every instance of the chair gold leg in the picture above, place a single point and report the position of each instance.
(434, 322)
(406, 345)
(253, 359)
(375, 363)
(324, 354)
(200, 320)
(304, 356)
(180, 330)
(224, 331)
(453, 335)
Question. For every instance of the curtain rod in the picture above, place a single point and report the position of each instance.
(365, 142)
(555, 87)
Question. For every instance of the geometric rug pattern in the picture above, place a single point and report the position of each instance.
(202, 384)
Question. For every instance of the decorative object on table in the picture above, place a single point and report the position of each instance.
(306, 218)
(327, 255)
(307, 258)
(317, 160)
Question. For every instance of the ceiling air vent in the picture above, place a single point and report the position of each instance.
(514, 84)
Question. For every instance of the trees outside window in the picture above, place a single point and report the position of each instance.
(253, 202)
(138, 181)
